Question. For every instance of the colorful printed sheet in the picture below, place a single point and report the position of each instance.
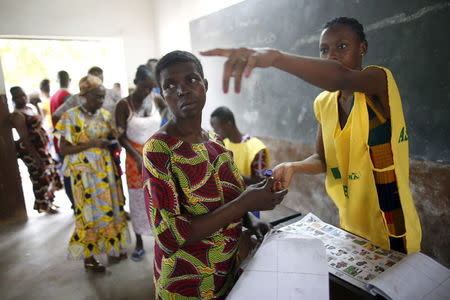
(349, 257)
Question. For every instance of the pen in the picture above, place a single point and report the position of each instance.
(268, 173)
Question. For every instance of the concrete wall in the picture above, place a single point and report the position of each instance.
(131, 20)
(172, 19)
(429, 185)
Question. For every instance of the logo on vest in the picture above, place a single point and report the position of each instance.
(345, 191)
(336, 173)
(403, 135)
(353, 176)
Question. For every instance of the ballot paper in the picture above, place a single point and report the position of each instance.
(284, 267)
(417, 276)
(379, 271)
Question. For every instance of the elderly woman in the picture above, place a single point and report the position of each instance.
(100, 225)
(33, 149)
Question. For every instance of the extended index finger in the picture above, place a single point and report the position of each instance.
(217, 52)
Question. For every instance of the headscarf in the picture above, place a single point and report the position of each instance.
(88, 83)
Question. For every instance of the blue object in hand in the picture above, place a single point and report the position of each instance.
(268, 173)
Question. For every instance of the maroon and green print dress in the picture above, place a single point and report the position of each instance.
(181, 181)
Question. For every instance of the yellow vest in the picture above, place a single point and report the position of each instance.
(244, 153)
(349, 177)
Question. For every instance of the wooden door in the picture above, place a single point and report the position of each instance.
(12, 204)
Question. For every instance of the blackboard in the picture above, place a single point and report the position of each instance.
(408, 37)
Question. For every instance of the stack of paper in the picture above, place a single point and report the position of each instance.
(284, 268)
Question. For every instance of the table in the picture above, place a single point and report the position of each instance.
(339, 289)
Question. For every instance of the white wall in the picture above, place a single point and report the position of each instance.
(172, 19)
(149, 28)
(130, 20)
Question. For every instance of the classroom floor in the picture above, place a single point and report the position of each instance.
(33, 262)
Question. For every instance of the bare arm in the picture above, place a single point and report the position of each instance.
(122, 113)
(175, 226)
(314, 164)
(18, 122)
(256, 197)
(327, 74)
(35, 100)
(68, 148)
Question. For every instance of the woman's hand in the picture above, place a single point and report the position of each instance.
(260, 196)
(282, 175)
(242, 61)
(100, 143)
(256, 226)
(34, 99)
(117, 132)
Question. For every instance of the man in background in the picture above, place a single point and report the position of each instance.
(58, 99)
(111, 97)
(250, 154)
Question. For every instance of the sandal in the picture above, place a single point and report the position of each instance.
(137, 255)
(51, 211)
(94, 266)
(116, 259)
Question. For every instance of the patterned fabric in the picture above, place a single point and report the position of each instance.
(133, 174)
(386, 182)
(183, 180)
(45, 180)
(100, 222)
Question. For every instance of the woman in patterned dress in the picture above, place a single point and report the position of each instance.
(33, 149)
(194, 193)
(100, 222)
(138, 119)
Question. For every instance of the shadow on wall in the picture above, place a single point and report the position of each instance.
(429, 185)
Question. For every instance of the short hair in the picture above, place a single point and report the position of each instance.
(14, 89)
(177, 57)
(63, 78)
(44, 86)
(352, 23)
(224, 114)
(95, 70)
(143, 73)
(151, 60)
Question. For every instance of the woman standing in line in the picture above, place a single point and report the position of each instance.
(33, 149)
(138, 119)
(100, 223)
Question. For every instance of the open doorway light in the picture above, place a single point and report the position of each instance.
(27, 61)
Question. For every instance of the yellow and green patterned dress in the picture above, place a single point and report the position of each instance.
(100, 222)
(181, 181)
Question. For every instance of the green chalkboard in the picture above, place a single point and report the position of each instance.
(409, 37)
